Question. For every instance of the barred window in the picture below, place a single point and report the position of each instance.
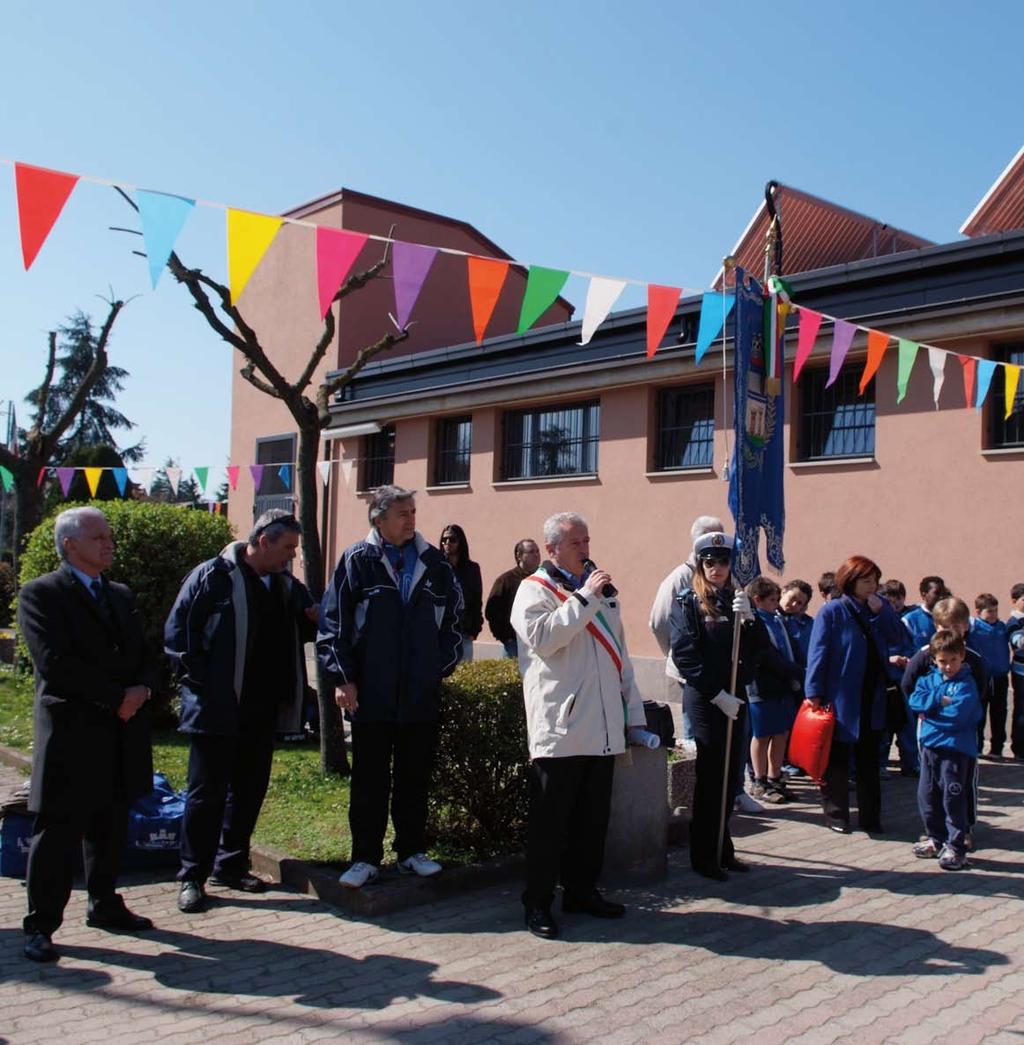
(454, 443)
(551, 441)
(1007, 432)
(273, 491)
(686, 427)
(836, 421)
(377, 467)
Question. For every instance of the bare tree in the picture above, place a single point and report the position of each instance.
(48, 427)
(310, 411)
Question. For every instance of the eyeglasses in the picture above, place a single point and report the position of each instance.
(716, 560)
(449, 540)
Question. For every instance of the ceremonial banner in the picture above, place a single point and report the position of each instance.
(756, 489)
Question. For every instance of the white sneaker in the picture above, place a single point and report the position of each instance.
(358, 875)
(747, 804)
(419, 863)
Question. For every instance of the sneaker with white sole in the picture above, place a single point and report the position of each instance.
(951, 860)
(746, 804)
(420, 864)
(927, 849)
(358, 875)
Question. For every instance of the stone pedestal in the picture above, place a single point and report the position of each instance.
(636, 847)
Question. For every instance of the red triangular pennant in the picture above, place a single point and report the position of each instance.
(661, 307)
(42, 194)
(970, 365)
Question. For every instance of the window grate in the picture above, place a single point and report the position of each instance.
(686, 427)
(377, 467)
(836, 421)
(551, 441)
(1007, 432)
(273, 492)
(454, 445)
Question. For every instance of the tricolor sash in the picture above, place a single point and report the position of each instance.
(598, 626)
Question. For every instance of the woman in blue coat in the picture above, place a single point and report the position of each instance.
(846, 667)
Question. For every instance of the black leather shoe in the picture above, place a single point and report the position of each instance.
(593, 904)
(39, 948)
(541, 922)
(734, 863)
(192, 898)
(244, 883)
(716, 874)
(118, 918)
(841, 827)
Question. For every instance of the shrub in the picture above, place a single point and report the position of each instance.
(479, 795)
(156, 546)
(6, 594)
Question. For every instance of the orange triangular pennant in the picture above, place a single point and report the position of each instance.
(486, 278)
(878, 342)
(42, 194)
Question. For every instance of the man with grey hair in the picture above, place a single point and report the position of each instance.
(91, 754)
(235, 635)
(580, 699)
(389, 632)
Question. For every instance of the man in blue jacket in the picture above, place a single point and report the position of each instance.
(389, 632)
(235, 635)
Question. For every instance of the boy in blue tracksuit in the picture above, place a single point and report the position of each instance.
(900, 652)
(918, 619)
(1015, 633)
(988, 635)
(949, 707)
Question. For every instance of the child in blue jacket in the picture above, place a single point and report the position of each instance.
(950, 709)
(988, 635)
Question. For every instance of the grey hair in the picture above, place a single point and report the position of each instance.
(384, 497)
(272, 524)
(69, 524)
(705, 524)
(555, 526)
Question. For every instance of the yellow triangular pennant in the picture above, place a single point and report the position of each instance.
(92, 477)
(1011, 372)
(249, 237)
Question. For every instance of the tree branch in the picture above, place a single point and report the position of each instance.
(363, 356)
(44, 389)
(248, 372)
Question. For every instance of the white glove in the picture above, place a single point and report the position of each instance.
(644, 738)
(741, 608)
(727, 703)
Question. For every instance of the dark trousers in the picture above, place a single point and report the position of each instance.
(391, 764)
(1017, 719)
(51, 862)
(942, 796)
(835, 790)
(570, 801)
(998, 689)
(227, 782)
(710, 727)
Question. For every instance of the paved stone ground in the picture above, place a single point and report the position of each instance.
(832, 940)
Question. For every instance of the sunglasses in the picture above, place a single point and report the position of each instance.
(717, 560)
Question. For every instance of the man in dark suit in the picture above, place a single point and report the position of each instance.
(92, 754)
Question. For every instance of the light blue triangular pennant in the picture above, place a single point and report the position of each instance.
(986, 368)
(163, 217)
(121, 478)
(285, 472)
(712, 318)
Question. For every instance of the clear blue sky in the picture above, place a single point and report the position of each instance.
(625, 139)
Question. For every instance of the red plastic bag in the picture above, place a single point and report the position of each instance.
(811, 739)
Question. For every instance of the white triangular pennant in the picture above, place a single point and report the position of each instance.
(346, 470)
(937, 361)
(142, 477)
(601, 296)
(173, 477)
(324, 467)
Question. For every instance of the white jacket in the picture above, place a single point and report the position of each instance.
(576, 701)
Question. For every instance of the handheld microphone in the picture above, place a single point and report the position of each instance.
(609, 591)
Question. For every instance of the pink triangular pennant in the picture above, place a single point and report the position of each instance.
(233, 470)
(336, 253)
(41, 476)
(256, 471)
(41, 194)
(65, 475)
(410, 265)
(661, 307)
(810, 324)
(970, 365)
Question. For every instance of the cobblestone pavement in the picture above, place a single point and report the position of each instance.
(842, 939)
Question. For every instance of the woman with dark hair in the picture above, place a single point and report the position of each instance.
(846, 667)
(455, 549)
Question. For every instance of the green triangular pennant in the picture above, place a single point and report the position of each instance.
(7, 478)
(201, 474)
(907, 355)
(542, 287)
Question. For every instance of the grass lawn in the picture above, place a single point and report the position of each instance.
(305, 812)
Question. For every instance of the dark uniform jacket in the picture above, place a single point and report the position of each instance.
(84, 756)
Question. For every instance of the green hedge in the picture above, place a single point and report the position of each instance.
(156, 546)
(6, 594)
(479, 795)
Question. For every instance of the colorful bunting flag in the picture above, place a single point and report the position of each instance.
(121, 478)
(346, 471)
(324, 468)
(7, 478)
(336, 253)
(163, 217)
(486, 278)
(970, 365)
(64, 476)
(285, 473)
(410, 264)
(202, 474)
(661, 307)
(601, 296)
(543, 285)
(878, 342)
(714, 311)
(41, 476)
(905, 364)
(937, 362)
(41, 195)
(842, 336)
(249, 238)
(986, 368)
(233, 470)
(174, 478)
(810, 324)
(1011, 377)
(92, 479)
(143, 477)
(256, 471)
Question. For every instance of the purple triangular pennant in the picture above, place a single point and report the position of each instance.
(65, 475)
(256, 471)
(410, 265)
(842, 336)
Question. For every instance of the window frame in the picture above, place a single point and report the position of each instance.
(706, 390)
(845, 397)
(999, 426)
(276, 498)
(529, 449)
(457, 456)
(377, 465)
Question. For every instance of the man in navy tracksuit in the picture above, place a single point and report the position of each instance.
(389, 632)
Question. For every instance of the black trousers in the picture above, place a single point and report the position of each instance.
(710, 727)
(227, 782)
(835, 791)
(570, 801)
(994, 701)
(51, 862)
(391, 765)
